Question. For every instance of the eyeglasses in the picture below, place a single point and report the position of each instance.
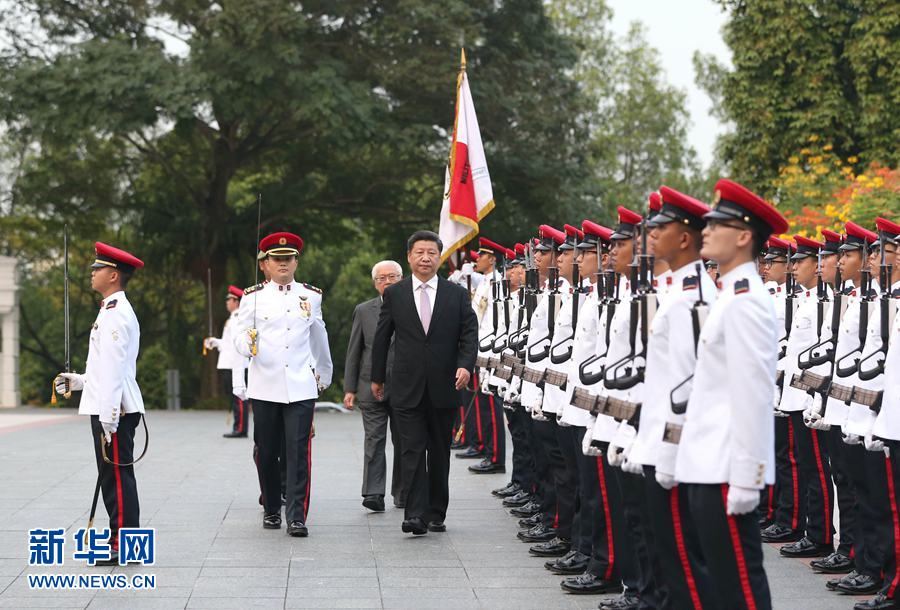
(384, 278)
(713, 224)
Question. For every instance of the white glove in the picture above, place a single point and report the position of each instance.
(620, 445)
(76, 382)
(110, 429)
(466, 270)
(812, 416)
(780, 413)
(632, 467)
(852, 439)
(586, 447)
(212, 343)
(245, 346)
(241, 393)
(776, 399)
(873, 444)
(538, 415)
(484, 376)
(741, 500)
(666, 481)
(511, 396)
(535, 400)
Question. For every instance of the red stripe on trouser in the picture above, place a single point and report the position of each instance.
(556, 517)
(738, 551)
(770, 513)
(494, 428)
(607, 514)
(308, 473)
(795, 484)
(478, 413)
(119, 503)
(240, 415)
(892, 494)
(826, 500)
(682, 550)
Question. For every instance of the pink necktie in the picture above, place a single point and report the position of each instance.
(424, 307)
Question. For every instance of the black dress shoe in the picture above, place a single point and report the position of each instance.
(626, 601)
(297, 529)
(529, 522)
(588, 584)
(879, 602)
(779, 533)
(235, 435)
(520, 499)
(861, 584)
(487, 467)
(399, 503)
(272, 522)
(374, 503)
(557, 547)
(457, 445)
(470, 454)
(510, 489)
(573, 562)
(539, 533)
(415, 526)
(836, 563)
(832, 584)
(525, 511)
(437, 526)
(806, 548)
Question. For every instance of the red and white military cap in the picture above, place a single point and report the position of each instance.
(681, 208)
(806, 247)
(856, 237)
(109, 256)
(733, 201)
(628, 222)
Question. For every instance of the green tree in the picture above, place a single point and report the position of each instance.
(823, 68)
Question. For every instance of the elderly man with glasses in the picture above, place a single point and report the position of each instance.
(357, 386)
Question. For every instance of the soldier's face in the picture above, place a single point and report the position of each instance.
(666, 240)
(722, 241)
(102, 278)
(776, 270)
(587, 260)
(516, 275)
(542, 260)
(805, 271)
(829, 267)
(564, 262)
(485, 262)
(620, 256)
(231, 304)
(850, 263)
(281, 269)
(423, 258)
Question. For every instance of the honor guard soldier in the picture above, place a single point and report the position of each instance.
(109, 390)
(233, 365)
(726, 452)
(491, 324)
(283, 334)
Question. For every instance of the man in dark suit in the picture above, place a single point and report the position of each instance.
(435, 341)
(357, 386)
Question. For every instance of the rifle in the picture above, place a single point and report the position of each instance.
(790, 287)
(552, 296)
(822, 296)
(609, 302)
(885, 310)
(559, 358)
(527, 303)
(502, 341)
(699, 313)
(643, 308)
(487, 344)
(254, 334)
(209, 328)
(812, 358)
(866, 286)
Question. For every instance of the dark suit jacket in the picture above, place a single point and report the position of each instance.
(425, 363)
(358, 364)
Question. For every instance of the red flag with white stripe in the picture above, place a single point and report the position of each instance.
(468, 196)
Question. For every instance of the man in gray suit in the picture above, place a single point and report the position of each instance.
(357, 386)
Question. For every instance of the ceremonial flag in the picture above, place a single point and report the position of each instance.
(468, 196)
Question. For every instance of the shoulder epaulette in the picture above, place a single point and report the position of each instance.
(742, 286)
(771, 290)
(690, 282)
(847, 291)
(112, 304)
(896, 293)
(254, 288)
(311, 287)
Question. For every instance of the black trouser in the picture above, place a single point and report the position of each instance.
(624, 557)
(815, 479)
(868, 474)
(595, 511)
(492, 426)
(519, 422)
(377, 418)
(473, 424)
(425, 462)
(791, 495)
(564, 492)
(292, 422)
(239, 408)
(581, 519)
(892, 483)
(731, 547)
(119, 487)
(846, 493)
(637, 520)
(683, 573)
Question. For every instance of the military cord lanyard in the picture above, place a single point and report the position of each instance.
(103, 445)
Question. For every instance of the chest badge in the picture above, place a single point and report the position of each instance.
(305, 308)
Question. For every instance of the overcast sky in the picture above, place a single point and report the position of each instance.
(677, 28)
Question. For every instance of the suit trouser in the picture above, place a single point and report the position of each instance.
(292, 423)
(377, 418)
(425, 460)
(731, 547)
(492, 427)
(838, 457)
(815, 478)
(791, 494)
(892, 483)
(564, 492)
(637, 522)
(677, 547)
(874, 544)
(519, 423)
(596, 511)
(117, 483)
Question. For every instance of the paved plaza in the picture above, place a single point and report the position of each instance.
(200, 491)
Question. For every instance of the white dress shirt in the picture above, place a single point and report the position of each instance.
(430, 287)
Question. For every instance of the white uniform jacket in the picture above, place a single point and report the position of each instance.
(729, 430)
(804, 334)
(292, 342)
(848, 340)
(110, 386)
(887, 424)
